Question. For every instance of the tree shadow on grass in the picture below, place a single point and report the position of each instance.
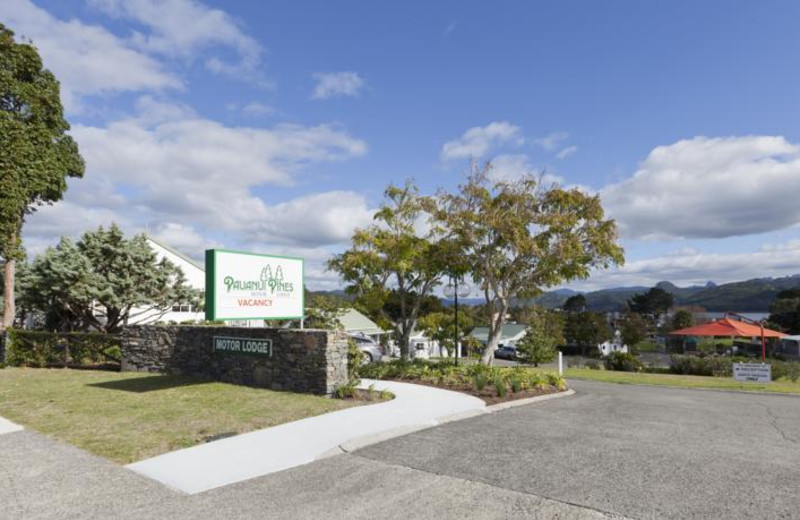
(150, 383)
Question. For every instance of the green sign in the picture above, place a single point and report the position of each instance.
(245, 346)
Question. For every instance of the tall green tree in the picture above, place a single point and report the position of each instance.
(654, 303)
(575, 303)
(103, 281)
(785, 311)
(633, 329)
(587, 329)
(521, 237)
(441, 327)
(682, 319)
(36, 153)
(545, 332)
(394, 256)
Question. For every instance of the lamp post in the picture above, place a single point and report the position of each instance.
(453, 290)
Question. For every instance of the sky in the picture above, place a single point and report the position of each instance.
(275, 126)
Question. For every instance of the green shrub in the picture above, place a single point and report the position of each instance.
(355, 361)
(592, 364)
(500, 385)
(623, 362)
(345, 391)
(479, 381)
(793, 371)
(474, 376)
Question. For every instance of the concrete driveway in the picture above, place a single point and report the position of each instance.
(610, 451)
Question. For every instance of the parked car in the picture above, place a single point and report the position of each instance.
(506, 352)
(372, 350)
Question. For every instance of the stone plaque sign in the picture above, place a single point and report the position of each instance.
(758, 372)
(244, 346)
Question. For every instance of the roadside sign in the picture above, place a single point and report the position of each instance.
(758, 372)
(250, 286)
(246, 346)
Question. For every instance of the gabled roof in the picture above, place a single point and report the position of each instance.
(175, 252)
(354, 321)
(510, 330)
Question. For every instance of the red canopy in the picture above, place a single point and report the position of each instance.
(727, 327)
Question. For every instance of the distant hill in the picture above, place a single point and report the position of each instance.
(749, 296)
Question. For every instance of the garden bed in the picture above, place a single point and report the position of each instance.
(491, 384)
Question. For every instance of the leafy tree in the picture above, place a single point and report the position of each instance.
(682, 319)
(545, 332)
(103, 281)
(36, 154)
(518, 238)
(441, 327)
(586, 329)
(785, 311)
(653, 303)
(394, 255)
(575, 303)
(324, 310)
(633, 329)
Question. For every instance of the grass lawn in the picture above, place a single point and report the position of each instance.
(721, 383)
(127, 417)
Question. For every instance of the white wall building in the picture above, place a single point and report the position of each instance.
(196, 278)
(613, 345)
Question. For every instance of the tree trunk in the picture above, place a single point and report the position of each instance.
(495, 333)
(491, 345)
(405, 335)
(9, 271)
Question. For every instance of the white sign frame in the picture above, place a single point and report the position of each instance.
(241, 285)
(752, 372)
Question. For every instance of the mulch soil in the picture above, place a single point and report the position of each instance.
(488, 394)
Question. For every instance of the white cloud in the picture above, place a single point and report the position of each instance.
(195, 168)
(256, 109)
(87, 59)
(692, 267)
(477, 141)
(552, 141)
(316, 219)
(566, 152)
(710, 188)
(184, 28)
(336, 84)
(183, 238)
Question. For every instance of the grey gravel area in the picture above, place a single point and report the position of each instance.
(642, 452)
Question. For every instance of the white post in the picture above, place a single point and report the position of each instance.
(560, 363)
(302, 323)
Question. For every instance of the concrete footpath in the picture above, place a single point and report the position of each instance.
(226, 461)
(7, 426)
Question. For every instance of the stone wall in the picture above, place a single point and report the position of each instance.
(312, 361)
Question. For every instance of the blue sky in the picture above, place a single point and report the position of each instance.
(275, 126)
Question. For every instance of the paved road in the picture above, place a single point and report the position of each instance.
(608, 451)
(642, 452)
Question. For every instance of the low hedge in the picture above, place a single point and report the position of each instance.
(75, 349)
(722, 366)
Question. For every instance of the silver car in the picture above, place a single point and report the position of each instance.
(372, 350)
